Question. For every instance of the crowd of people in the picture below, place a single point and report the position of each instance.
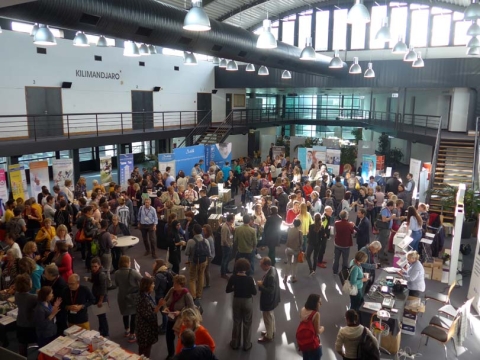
(41, 236)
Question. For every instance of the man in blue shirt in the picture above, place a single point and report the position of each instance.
(226, 170)
(384, 231)
(147, 222)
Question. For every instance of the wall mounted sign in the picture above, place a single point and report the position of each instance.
(97, 75)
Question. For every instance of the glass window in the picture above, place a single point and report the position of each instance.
(441, 30)
(376, 21)
(398, 24)
(107, 150)
(85, 154)
(26, 159)
(137, 148)
(438, 10)
(288, 35)
(304, 27)
(358, 36)
(460, 36)
(275, 29)
(340, 29)
(419, 28)
(457, 15)
(321, 30)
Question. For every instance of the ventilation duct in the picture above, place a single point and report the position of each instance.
(151, 22)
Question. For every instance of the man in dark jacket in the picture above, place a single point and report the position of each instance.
(338, 190)
(362, 228)
(327, 221)
(272, 233)
(204, 205)
(191, 351)
(269, 288)
(392, 184)
(75, 300)
(282, 200)
(99, 291)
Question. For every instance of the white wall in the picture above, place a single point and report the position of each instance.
(421, 152)
(219, 105)
(459, 110)
(22, 66)
(239, 145)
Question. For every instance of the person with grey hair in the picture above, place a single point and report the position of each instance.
(245, 238)
(343, 240)
(414, 273)
(369, 266)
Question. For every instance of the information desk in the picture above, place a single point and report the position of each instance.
(395, 317)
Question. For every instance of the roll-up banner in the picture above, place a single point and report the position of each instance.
(219, 153)
(165, 160)
(369, 165)
(415, 168)
(126, 168)
(38, 177)
(277, 151)
(62, 170)
(333, 161)
(302, 156)
(3, 190)
(18, 181)
(106, 170)
(187, 157)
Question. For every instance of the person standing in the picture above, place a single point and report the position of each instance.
(26, 303)
(99, 291)
(226, 234)
(282, 200)
(208, 235)
(362, 228)
(246, 239)
(147, 222)
(75, 300)
(326, 221)
(310, 312)
(243, 288)
(105, 246)
(272, 232)
(409, 187)
(357, 278)
(369, 266)
(392, 184)
(343, 240)
(414, 274)
(414, 222)
(191, 351)
(52, 278)
(269, 288)
(198, 251)
(315, 236)
(292, 249)
(44, 316)
(385, 226)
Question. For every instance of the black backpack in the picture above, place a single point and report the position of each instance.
(367, 349)
(201, 252)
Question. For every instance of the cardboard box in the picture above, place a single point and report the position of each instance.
(407, 329)
(391, 343)
(225, 195)
(428, 271)
(414, 305)
(214, 220)
(409, 318)
(437, 262)
(179, 210)
(437, 274)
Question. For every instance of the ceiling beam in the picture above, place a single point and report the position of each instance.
(5, 3)
(239, 9)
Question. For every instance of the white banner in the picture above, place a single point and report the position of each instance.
(106, 170)
(474, 288)
(415, 168)
(62, 170)
(38, 177)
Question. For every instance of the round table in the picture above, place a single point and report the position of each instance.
(126, 241)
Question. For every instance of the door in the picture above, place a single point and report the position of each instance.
(392, 105)
(142, 107)
(228, 104)
(204, 105)
(45, 106)
(446, 107)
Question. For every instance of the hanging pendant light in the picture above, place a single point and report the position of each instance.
(400, 47)
(286, 75)
(144, 50)
(358, 14)
(44, 36)
(411, 55)
(266, 40)
(223, 63)
(153, 49)
(130, 49)
(474, 29)
(263, 71)
(308, 52)
(189, 58)
(384, 33)
(196, 18)
(1, 30)
(419, 62)
(472, 12)
(355, 68)
(102, 41)
(250, 68)
(473, 42)
(215, 60)
(336, 62)
(34, 29)
(369, 73)
(80, 40)
(473, 51)
(232, 66)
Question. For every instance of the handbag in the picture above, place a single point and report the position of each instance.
(80, 236)
(347, 285)
(300, 257)
(380, 225)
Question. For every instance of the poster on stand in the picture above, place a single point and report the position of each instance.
(126, 168)
(38, 177)
(167, 160)
(277, 151)
(219, 153)
(62, 170)
(474, 288)
(3, 190)
(106, 170)
(320, 154)
(187, 157)
(415, 168)
(302, 157)
(369, 166)
(18, 181)
(380, 163)
(333, 161)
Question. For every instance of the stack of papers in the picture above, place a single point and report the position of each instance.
(372, 305)
(5, 320)
(56, 345)
(119, 354)
(74, 332)
(391, 270)
(88, 335)
(13, 313)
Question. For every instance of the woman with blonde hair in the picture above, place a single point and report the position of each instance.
(66, 190)
(81, 188)
(297, 175)
(30, 250)
(191, 319)
(219, 177)
(306, 220)
(45, 236)
(414, 274)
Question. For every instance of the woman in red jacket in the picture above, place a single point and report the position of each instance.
(63, 260)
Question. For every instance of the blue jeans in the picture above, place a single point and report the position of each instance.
(226, 253)
(345, 253)
(249, 257)
(416, 236)
(313, 354)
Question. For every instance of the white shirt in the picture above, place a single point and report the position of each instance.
(68, 240)
(16, 249)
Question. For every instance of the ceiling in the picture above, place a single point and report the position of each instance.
(248, 14)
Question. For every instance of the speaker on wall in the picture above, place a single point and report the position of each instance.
(66, 85)
(214, 91)
(156, 88)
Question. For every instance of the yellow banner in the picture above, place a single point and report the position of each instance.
(16, 181)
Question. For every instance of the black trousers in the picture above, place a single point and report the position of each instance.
(170, 338)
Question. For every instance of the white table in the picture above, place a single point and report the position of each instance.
(126, 241)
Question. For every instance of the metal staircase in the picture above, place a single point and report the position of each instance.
(207, 133)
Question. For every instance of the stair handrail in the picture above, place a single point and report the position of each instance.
(227, 123)
(475, 179)
(199, 129)
(435, 160)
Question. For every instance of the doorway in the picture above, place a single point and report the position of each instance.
(392, 107)
(46, 103)
(142, 107)
(204, 105)
(446, 107)
(228, 104)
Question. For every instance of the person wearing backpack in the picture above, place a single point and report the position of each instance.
(352, 337)
(309, 329)
(198, 252)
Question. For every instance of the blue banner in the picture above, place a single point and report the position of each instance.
(187, 157)
(126, 168)
(167, 160)
(369, 166)
(219, 153)
(302, 157)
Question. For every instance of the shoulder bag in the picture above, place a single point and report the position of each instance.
(347, 285)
